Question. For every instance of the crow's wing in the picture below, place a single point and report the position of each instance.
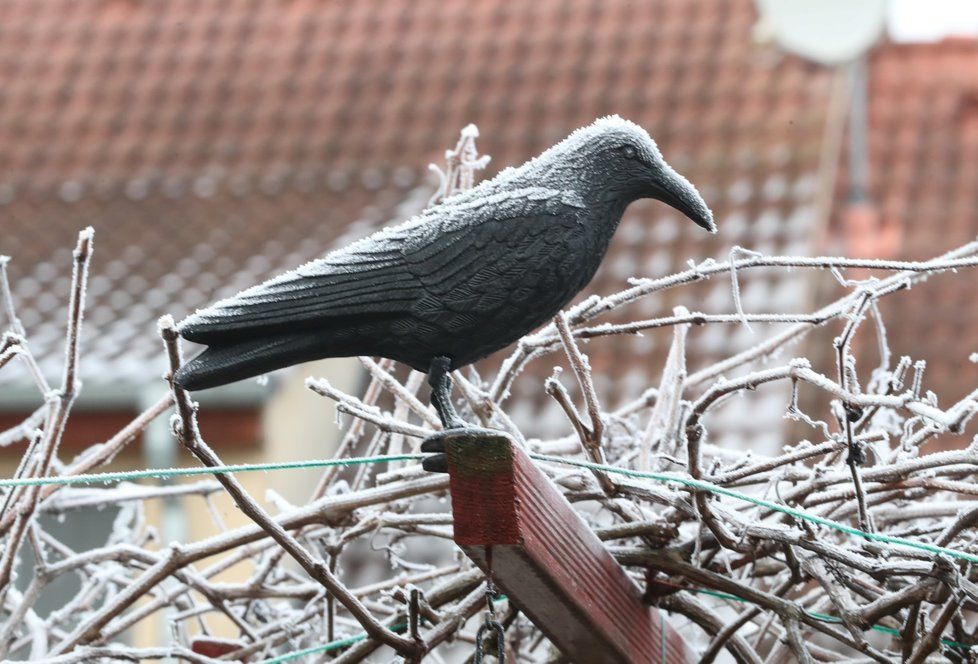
(388, 272)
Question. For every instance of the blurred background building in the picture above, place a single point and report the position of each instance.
(214, 144)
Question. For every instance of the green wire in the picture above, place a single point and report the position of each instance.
(822, 616)
(161, 473)
(790, 511)
(326, 647)
(667, 478)
(349, 641)
(339, 643)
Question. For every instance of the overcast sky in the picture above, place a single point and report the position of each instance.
(929, 20)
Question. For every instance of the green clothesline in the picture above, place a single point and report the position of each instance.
(821, 616)
(351, 640)
(667, 478)
(700, 485)
(326, 647)
(165, 473)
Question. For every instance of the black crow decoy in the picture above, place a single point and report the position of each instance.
(456, 283)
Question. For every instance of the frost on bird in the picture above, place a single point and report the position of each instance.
(459, 281)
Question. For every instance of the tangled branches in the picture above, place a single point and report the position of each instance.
(376, 564)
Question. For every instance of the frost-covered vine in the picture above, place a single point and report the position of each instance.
(368, 562)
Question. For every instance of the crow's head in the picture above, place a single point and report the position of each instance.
(621, 158)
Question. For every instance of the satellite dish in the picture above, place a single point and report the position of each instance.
(830, 32)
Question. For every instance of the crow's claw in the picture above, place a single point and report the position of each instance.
(436, 441)
(435, 445)
(436, 463)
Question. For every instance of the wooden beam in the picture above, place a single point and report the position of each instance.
(511, 518)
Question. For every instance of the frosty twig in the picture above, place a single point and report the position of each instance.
(756, 580)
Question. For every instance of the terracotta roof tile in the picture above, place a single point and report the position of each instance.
(214, 143)
(924, 170)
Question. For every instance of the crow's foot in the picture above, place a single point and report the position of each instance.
(436, 441)
(435, 445)
(440, 380)
(436, 463)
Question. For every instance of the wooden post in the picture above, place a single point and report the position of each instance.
(511, 518)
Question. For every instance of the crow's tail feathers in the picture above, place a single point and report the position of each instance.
(227, 363)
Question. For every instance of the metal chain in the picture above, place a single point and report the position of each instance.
(490, 625)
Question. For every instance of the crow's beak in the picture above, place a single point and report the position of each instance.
(677, 192)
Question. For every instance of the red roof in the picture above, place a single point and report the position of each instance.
(923, 131)
(212, 144)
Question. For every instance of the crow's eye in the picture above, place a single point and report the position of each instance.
(629, 152)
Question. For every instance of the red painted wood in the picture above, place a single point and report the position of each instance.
(224, 428)
(547, 560)
(210, 646)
